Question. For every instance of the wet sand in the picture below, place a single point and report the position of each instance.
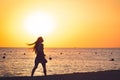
(101, 75)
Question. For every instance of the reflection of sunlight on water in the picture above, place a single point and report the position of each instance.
(70, 61)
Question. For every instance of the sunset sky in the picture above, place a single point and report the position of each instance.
(62, 23)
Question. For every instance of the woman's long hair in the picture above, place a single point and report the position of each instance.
(37, 46)
(36, 43)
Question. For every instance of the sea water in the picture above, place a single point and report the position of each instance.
(20, 61)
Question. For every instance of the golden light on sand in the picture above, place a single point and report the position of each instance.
(38, 23)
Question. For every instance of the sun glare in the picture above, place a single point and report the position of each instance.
(39, 23)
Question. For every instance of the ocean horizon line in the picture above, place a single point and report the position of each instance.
(72, 47)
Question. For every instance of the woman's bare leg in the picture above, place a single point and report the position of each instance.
(44, 68)
(34, 68)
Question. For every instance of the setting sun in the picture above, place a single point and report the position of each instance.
(38, 23)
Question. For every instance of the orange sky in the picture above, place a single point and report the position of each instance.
(78, 23)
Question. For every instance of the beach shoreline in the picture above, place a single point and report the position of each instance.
(100, 75)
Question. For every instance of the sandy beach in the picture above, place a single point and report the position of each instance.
(101, 75)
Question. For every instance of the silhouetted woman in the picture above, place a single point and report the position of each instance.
(40, 56)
